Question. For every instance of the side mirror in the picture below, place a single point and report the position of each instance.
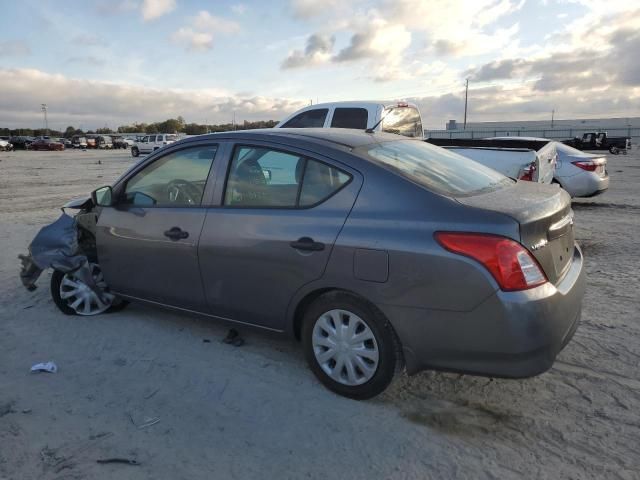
(103, 196)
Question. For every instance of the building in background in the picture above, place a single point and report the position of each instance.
(568, 128)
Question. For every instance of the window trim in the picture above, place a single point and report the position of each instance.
(297, 206)
(121, 185)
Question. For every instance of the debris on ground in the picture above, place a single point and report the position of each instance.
(49, 367)
(233, 338)
(6, 409)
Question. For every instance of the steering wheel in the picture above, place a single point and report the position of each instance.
(182, 191)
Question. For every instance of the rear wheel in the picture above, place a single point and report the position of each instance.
(134, 151)
(349, 345)
(614, 150)
(73, 297)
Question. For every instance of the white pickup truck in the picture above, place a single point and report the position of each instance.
(532, 160)
(150, 143)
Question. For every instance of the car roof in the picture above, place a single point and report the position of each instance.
(337, 137)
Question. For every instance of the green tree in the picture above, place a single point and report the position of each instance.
(69, 132)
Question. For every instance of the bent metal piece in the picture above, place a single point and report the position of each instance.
(56, 246)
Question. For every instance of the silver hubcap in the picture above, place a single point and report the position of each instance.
(81, 298)
(345, 347)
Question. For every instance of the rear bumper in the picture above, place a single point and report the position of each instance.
(585, 184)
(511, 334)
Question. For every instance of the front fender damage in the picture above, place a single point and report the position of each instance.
(64, 245)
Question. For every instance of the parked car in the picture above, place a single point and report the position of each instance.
(525, 159)
(79, 141)
(120, 142)
(20, 142)
(5, 145)
(104, 142)
(373, 249)
(66, 142)
(600, 141)
(398, 117)
(580, 174)
(92, 141)
(150, 143)
(45, 144)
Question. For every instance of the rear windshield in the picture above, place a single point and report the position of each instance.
(435, 168)
(172, 138)
(402, 121)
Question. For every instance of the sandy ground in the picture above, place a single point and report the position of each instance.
(257, 412)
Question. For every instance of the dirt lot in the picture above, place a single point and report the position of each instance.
(257, 412)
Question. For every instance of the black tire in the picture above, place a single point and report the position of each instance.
(56, 280)
(614, 150)
(390, 358)
(135, 152)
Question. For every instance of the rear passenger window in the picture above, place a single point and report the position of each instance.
(310, 119)
(350, 118)
(262, 178)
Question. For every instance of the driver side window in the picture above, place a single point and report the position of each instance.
(174, 180)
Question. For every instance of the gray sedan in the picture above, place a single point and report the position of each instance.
(375, 251)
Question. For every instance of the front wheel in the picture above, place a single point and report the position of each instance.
(349, 345)
(614, 150)
(73, 297)
(134, 151)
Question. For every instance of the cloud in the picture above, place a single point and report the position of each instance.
(14, 48)
(93, 103)
(306, 9)
(206, 21)
(152, 9)
(318, 50)
(199, 35)
(194, 41)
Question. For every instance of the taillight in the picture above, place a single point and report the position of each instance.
(508, 261)
(527, 173)
(588, 166)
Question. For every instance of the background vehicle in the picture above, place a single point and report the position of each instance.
(46, 144)
(92, 141)
(79, 141)
(5, 145)
(120, 142)
(525, 159)
(400, 117)
(104, 142)
(150, 143)
(66, 142)
(600, 141)
(20, 142)
(373, 249)
(580, 174)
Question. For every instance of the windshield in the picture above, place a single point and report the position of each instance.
(402, 121)
(435, 168)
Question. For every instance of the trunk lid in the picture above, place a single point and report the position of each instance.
(545, 218)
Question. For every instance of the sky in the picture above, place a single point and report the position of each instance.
(115, 62)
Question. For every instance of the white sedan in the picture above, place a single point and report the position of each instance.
(581, 174)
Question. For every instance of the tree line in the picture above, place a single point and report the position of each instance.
(172, 125)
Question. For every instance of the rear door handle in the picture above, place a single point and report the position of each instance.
(176, 233)
(307, 243)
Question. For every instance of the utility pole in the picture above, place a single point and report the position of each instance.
(466, 96)
(46, 122)
(553, 112)
(234, 120)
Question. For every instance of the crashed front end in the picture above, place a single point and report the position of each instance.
(67, 245)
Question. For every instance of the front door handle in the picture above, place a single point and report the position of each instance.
(176, 233)
(307, 243)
